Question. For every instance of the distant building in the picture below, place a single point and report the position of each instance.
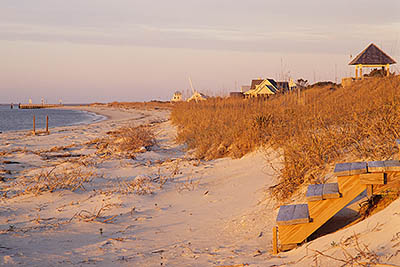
(244, 88)
(177, 97)
(283, 87)
(372, 57)
(292, 85)
(262, 88)
(197, 97)
(254, 83)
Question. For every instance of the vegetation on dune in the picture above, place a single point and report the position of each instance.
(321, 126)
(125, 141)
(151, 105)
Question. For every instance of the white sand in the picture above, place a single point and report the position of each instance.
(207, 213)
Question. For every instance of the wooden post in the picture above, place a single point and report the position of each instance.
(387, 70)
(34, 125)
(361, 74)
(274, 240)
(47, 124)
(370, 190)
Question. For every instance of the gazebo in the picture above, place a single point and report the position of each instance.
(371, 57)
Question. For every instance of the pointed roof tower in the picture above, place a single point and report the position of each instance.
(372, 55)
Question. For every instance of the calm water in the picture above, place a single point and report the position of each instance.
(21, 119)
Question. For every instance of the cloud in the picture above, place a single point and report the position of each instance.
(302, 39)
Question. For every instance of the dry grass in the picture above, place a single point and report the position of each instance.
(151, 105)
(322, 126)
(125, 142)
(72, 178)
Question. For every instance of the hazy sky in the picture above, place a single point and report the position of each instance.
(131, 50)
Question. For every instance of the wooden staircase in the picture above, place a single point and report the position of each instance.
(295, 223)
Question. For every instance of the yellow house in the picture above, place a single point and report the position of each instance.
(263, 88)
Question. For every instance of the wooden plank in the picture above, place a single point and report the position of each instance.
(331, 190)
(342, 169)
(321, 211)
(314, 192)
(372, 178)
(392, 165)
(301, 214)
(274, 240)
(376, 166)
(392, 184)
(285, 214)
(358, 168)
(293, 214)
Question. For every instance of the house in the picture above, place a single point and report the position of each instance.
(292, 85)
(244, 88)
(177, 97)
(262, 88)
(283, 87)
(197, 97)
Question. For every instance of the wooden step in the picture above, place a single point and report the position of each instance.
(350, 168)
(384, 166)
(317, 192)
(293, 214)
(321, 211)
(373, 178)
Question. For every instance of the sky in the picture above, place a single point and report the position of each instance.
(83, 51)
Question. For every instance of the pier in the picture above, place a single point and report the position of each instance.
(36, 106)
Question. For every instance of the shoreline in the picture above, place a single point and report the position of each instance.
(93, 116)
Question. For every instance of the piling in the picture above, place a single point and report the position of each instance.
(34, 125)
(47, 124)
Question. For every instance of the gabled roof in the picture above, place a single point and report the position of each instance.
(372, 55)
(197, 96)
(254, 83)
(267, 87)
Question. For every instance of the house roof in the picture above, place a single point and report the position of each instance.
(268, 87)
(372, 55)
(254, 83)
(197, 96)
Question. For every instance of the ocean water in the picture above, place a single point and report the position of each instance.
(22, 119)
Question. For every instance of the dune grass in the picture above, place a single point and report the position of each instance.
(314, 129)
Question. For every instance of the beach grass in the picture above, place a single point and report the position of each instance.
(312, 129)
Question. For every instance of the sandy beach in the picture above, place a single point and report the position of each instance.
(206, 213)
(187, 213)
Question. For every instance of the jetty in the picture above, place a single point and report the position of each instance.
(36, 106)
